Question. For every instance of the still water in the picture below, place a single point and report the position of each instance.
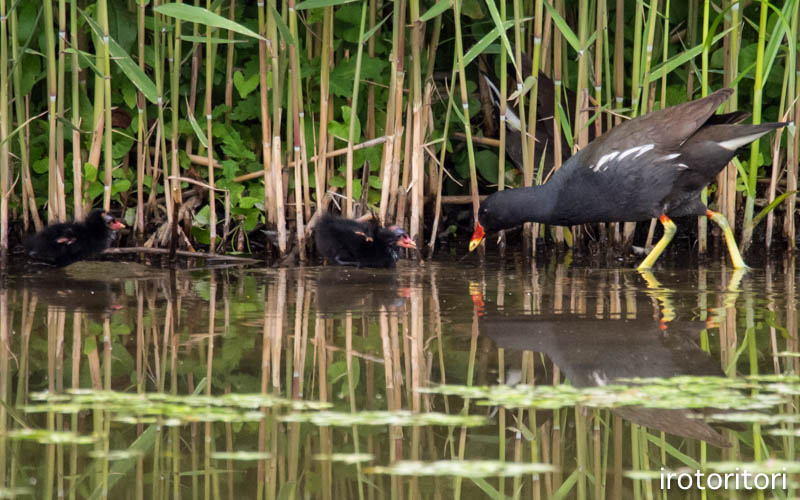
(441, 380)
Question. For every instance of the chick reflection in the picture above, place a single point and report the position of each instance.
(592, 352)
(342, 290)
(95, 297)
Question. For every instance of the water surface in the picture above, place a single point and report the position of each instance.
(439, 380)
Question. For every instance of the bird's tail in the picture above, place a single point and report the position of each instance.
(733, 137)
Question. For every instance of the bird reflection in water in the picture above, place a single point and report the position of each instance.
(593, 351)
(360, 290)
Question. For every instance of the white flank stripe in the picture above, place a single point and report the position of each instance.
(607, 158)
(628, 152)
(644, 150)
(736, 143)
(495, 93)
(512, 120)
(671, 157)
(681, 166)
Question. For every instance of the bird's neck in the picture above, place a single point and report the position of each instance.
(533, 204)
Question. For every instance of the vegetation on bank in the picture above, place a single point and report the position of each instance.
(222, 121)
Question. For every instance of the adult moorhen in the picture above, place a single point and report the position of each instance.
(347, 242)
(655, 165)
(62, 244)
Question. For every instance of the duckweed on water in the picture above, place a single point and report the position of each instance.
(346, 458)
(753, 418)
(462, 468)
(113, 455)
(679, 392)
(90, 399)
(770, 466)
(165, 409)
(243, 456)
(402, 418)
(51, 437)
(15, 492)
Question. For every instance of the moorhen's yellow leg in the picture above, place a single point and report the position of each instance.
(722, 222)
(669, 232)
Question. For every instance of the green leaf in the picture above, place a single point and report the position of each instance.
(681, 58)
(336, 371)
(483, 43)
(285, 33)
(372, 31)
(89, 172)
(251, 220)
(198, 131)
(346, 114)
(247, 202)
(565, 126)
(337, 181)
(316, 4)
(126, 64)
(41, 166)
(205, 17)
(344, 73)
(437, 9)
(338, 130)
(244, 87)
(564, 28)
(769, 208)
(120, 186)
(95, 189)
(202, 217)
(498, 25)
(472, 9)
(234, 146)
(486, 161)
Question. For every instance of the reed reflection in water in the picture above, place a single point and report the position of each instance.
(329, 383)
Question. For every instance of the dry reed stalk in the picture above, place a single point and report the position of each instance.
(792, 154)
(275, 144)
(266, 148)
(55, 183)
(602, 37)
(391, 151)
(301, 188)
(403, 189)
(229, 61)
(276, 176)
(210, 56)
(175, 59)
(418, 131)
(580, 130)
(104, 53)
(5, 157)
(196, 55)
(326, 62)
(390, 169)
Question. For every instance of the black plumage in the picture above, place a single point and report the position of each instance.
(68, 242)
(651, 166)
(348, 242)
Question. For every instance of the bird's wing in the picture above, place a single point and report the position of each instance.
(66, 236)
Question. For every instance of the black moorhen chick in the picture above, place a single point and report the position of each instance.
(62, 244)
(347, 242)
(655, 165)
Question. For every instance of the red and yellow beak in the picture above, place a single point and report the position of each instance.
(406, 242)
(477, 237)
(116, 225)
